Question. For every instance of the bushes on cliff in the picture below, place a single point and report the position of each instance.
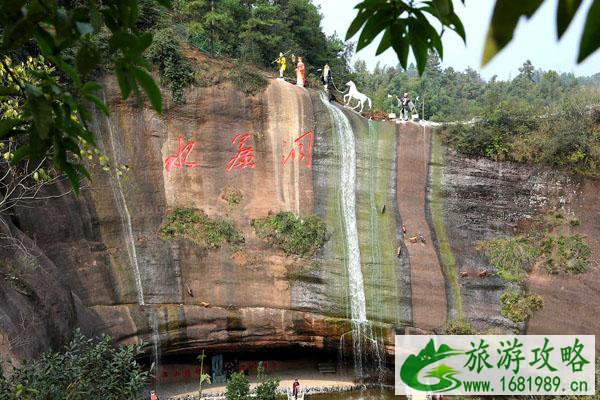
(200, 229)
(85, 369)
(247, 79)
(175, 70)
(519, 306)
(569, 254)
(513, 257)
(566, 136)
(292, 234)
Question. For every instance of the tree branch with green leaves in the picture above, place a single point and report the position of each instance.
(406, 25)
(55, 113)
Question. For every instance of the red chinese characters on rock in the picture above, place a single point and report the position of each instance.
(244, 158)
(302, 147)
(180, 159)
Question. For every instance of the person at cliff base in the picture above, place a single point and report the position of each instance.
(153, 395)
(300, 73)
(295, 388)
(282, 62)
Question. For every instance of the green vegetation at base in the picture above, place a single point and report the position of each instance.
(200, 229)
(238, 386)
(292, 234)
(85, 369)
(248, 80)
(512, 256)
(519, 306)
(566, 254)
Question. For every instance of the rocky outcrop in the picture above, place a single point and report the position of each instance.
(97, 261)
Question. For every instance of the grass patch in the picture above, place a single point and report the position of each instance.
(513, 256)
(459, 326)
(568, 254)
(200, 229)
(519, 306)
(233, 196)
(292, 234)
(247, 80)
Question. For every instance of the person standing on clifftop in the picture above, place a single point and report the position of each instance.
(295, 388)
(300, 73)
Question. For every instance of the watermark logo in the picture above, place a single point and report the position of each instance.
(495, 365)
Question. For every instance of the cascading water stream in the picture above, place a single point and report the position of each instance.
(361, 328)
(155, 325)
(117, 188)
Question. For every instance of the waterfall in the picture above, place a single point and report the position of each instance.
(362, 335)
(125, 217)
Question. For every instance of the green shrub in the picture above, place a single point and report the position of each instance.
(293, 235)
(175, 70)
(568, 254)
(519, 306)
(512, 256)
(247, 80)
(459, 327)
(238, 387)
(267, 387)
(85, 369)
(200, 229)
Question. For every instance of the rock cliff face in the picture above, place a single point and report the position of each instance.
(97, 261)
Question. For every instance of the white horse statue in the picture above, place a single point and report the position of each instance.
(355, 94)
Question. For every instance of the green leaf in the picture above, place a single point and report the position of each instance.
(564, 14)
(590, 39)
(124, 81)
(372, 28)
(418, 45)
(143, 41)
(7, 124)
(98, 102)
(386, 42)
(87, 58)
(41, 110)
(45, 41)
(90, 87)
(400, 42)
(505, 17)
(8, 91)
(152, 91)
(358, 22)
(84, 28)
(20, 154)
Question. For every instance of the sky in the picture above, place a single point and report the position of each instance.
(534, 39)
